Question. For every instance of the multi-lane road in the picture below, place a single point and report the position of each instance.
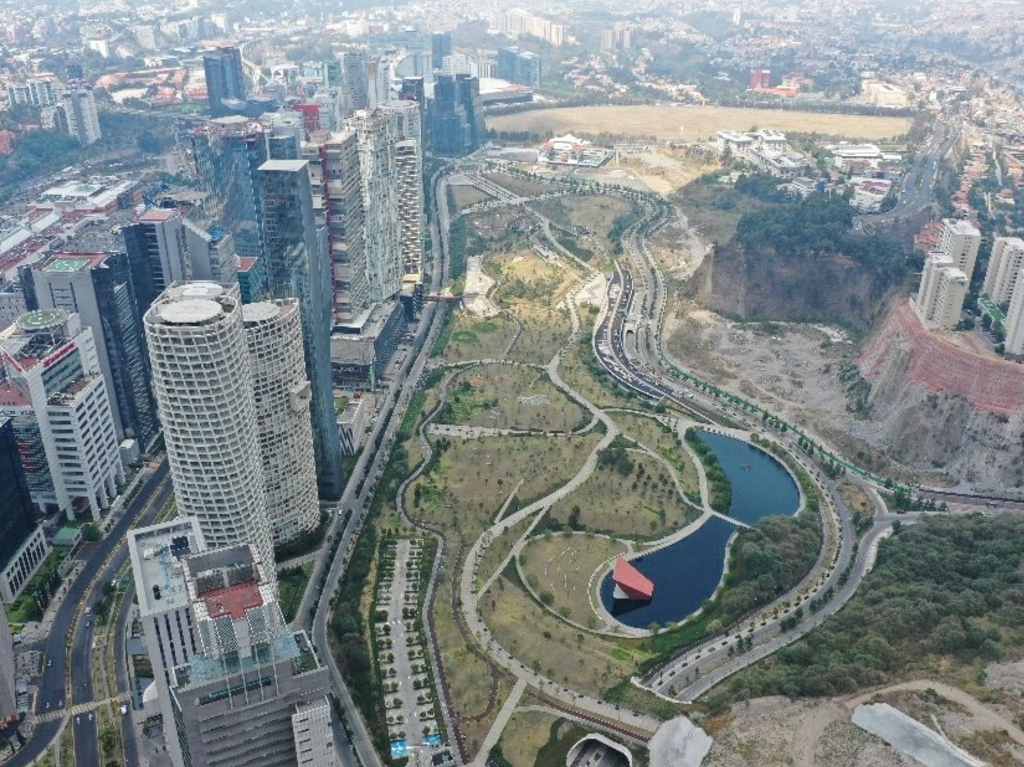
(63, 664)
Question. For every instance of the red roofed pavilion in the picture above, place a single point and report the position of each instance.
(630, 583)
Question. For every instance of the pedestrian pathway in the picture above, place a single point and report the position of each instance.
(498, 727)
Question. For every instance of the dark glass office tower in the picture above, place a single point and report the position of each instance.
(16, 522)
(297, 266)
(224, 79)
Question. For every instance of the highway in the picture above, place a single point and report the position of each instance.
(359, 493)
(51, 695)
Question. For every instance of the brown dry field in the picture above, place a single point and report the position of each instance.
(693, 123)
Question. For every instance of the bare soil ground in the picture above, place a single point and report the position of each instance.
(666, 170)
(695, 123)
(777, 732)
(563, 566)
(467, 196)
(792, 369)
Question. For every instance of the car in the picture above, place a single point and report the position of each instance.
(46, 707)
(49, 662)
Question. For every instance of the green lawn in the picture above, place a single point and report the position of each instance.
(291, 585)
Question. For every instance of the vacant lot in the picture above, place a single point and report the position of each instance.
(559, 568)
(505, 397)
(638, 504)
(537, 739)
(695, 123)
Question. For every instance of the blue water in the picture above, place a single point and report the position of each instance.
(687, 573)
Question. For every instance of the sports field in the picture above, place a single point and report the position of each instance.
(693, 123)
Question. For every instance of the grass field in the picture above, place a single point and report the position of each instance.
(499, 549)
(657, 437)
(695, 123)
(537, 739)
(523, 187)
(504, 397)
(476, 339)
(642, 504)
(569, 656)
(467, 196)
(562, 565)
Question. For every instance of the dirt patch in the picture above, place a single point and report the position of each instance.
(777, 732)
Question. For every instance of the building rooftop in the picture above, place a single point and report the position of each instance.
(74, 262)
(157, 553)
(158, 215)
(234, 600)
(288, 166)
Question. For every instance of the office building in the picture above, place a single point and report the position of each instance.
(1004, 268)
(23, 546)
(98, 288)
(156, 554)
(230, 675)
(940, 297)
(456, 122)
(8, 692)
(225, 81)
(285, 132)
(314, 734)
(1014, 343)
(346, 221)
(298, 266)
(228, 152)
(407, 132)
(252, 279)
(519, 66)
(355, 71)
(382, 230)
(157, 253)
(377, 83)
(55, 390)
(80, 118)
(281, 390)
(211, 252)
(203, 385)
(960, 241)
(440, 47)
(412, 89)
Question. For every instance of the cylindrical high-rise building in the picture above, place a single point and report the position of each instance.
(204, 392)
(273, 332)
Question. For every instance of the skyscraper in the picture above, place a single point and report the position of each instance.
(56, 392)
(1004, 269)
(960, 242)
(519, 66)
(79, 108)
(230, 675)
(273, 334)
(298, 267)
(22, 543)
(456, 121)
(440, 46)
(228, 151)
(211, 252)
(413, 90)
(382, 234)
(98, 288)
(1015, 319)
(157, 253)
(406, 129)
(225, 80)
(356, 80)
(346, 221)
(201, 375)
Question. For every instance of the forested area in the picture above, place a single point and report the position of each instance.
(820, 225)
(946, 592)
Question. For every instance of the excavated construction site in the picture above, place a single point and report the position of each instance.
(906, 402)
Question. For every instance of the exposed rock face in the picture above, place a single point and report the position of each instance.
(817, 287)
(938, 406)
